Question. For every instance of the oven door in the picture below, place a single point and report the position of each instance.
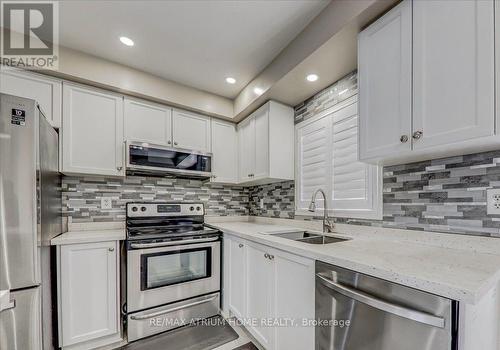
(165, 274)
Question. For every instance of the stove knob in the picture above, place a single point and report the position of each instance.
(134, 209)
(191, 208)
(143, 208)
(198, 208)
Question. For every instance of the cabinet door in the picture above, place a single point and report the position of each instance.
(225, 152)
(92, 131)
(260, 293)
(246, 133)
(294, 300)
(384, 67)
(453, 71)
(88, 287)
(45, 90)
(261, 144)
(497, 63)
(147, 122)
(237, 277)
(191, 131)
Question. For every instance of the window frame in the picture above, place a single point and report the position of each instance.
(374, 183)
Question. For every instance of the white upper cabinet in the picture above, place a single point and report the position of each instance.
(453, 70)
(225, 152)
(266, 144)
(427, 82)
(246, 139)
(92, 131)
(262, 139)
(45, 90)
(384, 66)
(148, 122)
(191, 131)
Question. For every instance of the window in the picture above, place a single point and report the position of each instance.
(327, 157)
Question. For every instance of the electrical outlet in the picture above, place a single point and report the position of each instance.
(106, 203)
(493, 201)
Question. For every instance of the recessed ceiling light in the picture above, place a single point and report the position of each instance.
(312, 77)
(258, 91)
(126, 41)
(230, 80)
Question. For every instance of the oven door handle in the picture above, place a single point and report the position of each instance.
(171, 243)
(365, 298)
(159, 313)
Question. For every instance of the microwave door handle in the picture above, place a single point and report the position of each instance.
(171, 243)
(159, 313)
(365, 298)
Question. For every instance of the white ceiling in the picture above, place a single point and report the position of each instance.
(196, 43)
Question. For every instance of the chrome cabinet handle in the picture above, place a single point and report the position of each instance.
(175, 143)
(271, 257)
(158, 313)
(365, 298)
(418, 135)
(266, 256)
(111, 249)
(169, 142)
(119, 168)
(240, 245)
(403, 138)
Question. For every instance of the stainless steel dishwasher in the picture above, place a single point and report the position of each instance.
(360, 312)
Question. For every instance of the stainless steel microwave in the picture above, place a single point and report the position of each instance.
(143, 158)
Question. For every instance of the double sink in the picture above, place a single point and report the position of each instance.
(309, 237)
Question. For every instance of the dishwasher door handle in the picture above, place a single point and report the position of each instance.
(382, 305)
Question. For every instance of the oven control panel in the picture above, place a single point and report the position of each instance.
(164, 209)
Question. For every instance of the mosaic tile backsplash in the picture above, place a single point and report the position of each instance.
(82, 196)
(443, 195)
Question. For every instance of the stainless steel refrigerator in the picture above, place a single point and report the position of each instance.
(30, 216)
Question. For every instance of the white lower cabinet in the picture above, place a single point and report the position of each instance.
(88, 295)
(259, 293)
(272, 291)
(236, 277)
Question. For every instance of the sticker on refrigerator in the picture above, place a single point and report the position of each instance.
(18, 117)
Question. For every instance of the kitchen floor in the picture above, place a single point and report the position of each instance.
(242, 343)
(206, 337)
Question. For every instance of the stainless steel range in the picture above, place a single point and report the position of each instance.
(173, 267)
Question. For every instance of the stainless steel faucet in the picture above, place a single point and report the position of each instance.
(328, 226)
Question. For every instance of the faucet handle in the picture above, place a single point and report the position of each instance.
(329, 224)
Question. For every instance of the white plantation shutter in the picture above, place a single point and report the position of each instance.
(313, 143)
(327, 157)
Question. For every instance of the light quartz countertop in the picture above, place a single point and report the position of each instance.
(460, 268)
(89, 236)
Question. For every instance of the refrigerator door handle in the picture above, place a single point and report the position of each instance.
(5, 302)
